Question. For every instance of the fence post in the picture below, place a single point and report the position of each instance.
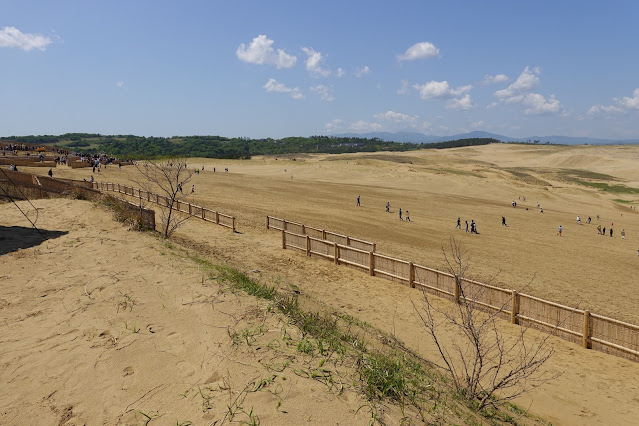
(514, 310)
(284, 224)
(267, 223)
(148, 196)
(374, 246)
(284, 239)
(190, 212)
(323, 234)
(457, 289)
(119, 188)
(371, 263)
(202, 213)
(217, 218)
(411, 274)
(303, 229)
(336, 253)
(586, 340)
(348, 240)
(234, 224)
(308, 246)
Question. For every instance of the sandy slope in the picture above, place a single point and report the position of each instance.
(100, 325)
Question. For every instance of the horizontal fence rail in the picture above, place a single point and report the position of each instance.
(203, 213)
(299, 228)
(580, 326)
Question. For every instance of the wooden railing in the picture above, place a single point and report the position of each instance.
(580, 326)
(191, 209)
(299, 228)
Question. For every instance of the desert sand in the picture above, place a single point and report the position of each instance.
(580, 268)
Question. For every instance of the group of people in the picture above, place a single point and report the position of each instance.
(472, 228)
(402, 215)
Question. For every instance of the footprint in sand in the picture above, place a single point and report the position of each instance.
(185, 369)
(128, 375)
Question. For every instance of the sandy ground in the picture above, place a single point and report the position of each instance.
(100, 325)
(581, 267)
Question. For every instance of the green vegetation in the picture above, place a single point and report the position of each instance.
(131, 146)
(619, 200)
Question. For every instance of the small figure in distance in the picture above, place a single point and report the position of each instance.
(589, 219)
(578, 220)
(388, 207)
(407, 216)
(597, 217)
(503, 221)
(599, 229)
(610, 232)
(541, 209)
(458, 223)
(466, 226)
(604, 231)
(400, 214)
(358, 201)
(50, 173)
(623, 234)
(560, 229)
(192, 189)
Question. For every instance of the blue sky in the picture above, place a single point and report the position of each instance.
(295, 68)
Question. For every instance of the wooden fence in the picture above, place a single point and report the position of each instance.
(590, 330)
(188, 208)
(299, 228)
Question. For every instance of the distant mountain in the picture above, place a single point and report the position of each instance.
(415, 137)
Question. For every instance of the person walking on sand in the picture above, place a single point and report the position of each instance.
(400, 214)
(541, 210)
(604, 231)
(610, 232)
(560, 229)
(50, 173)
(503, 221)
(623, 234)
(599, 229)
(358, 201)
(388, 207)
(458, 223)
(407, 216)
(466, 226)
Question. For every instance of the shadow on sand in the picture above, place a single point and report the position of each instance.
(13, 238)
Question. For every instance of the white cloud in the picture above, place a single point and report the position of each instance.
(261, 52)
(460, 104)
(538, 104)
(440, 90)
(476, 124)
(362, 125)
(629, 103)
(493, 79)
(397, 117)
(273, 86)
(526, 81)
(340, 72)
(334, 126)
(120, 84)
(624, 104)
(423, 50)
(403, 90)
(13, 37)
(491, 105)
(360, 72)
(313, 63)
(323, 92)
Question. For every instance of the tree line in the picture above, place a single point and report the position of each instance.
(131, 146)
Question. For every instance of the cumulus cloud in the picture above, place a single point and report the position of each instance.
(274, 86)
(440, 90)
(493, 79)
(460, 104)
(476, 124)
(120, 84)
(397, 117)
(622, 105)
(13, 37)
(360, 72)
(314, 60)
(340, 72)
(526, 81)
(537, 104)
(323, 92)
(520, 92)
(367, 126)
(334, 126)
(260, 51)
(423, 50)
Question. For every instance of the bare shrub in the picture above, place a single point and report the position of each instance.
(486, 366)
(167, 177)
